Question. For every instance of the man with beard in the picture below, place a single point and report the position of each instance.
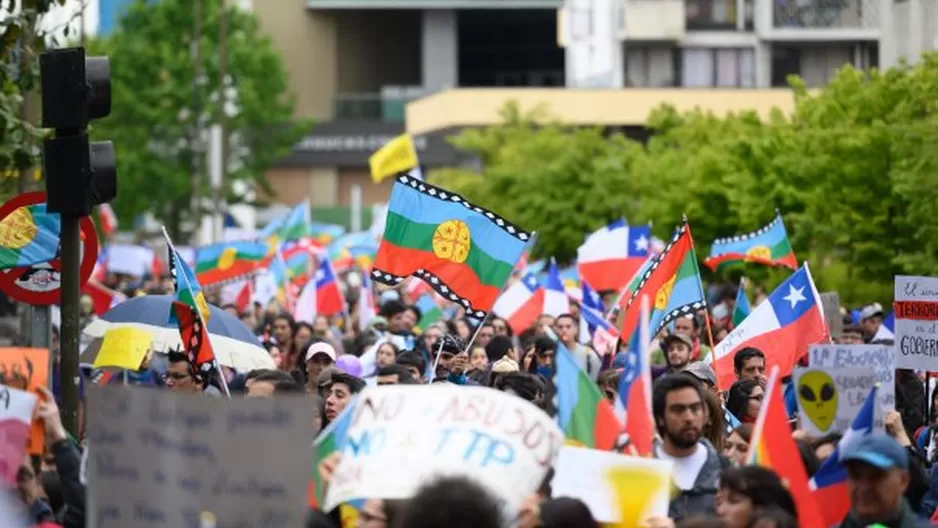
(678, 407)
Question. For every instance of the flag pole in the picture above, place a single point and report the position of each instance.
(208, 336)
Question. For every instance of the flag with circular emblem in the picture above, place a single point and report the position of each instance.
(767, 245)
(29, 235)
(671, 280)
(464, 252)
(228, 261)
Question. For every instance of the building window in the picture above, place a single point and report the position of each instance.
(718, 67)
(650, 66)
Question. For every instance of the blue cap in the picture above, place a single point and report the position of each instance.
(878, 450)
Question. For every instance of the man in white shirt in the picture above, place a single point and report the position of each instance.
(678, 407)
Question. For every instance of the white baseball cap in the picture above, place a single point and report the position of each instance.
(320, 348)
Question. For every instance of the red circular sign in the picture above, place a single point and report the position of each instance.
(40, 284)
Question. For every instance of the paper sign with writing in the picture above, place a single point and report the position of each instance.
(880, 358)
(16, 413)
(830, 301)
(916, 322)
(584, 474)
(124, 348)
(402, 436)
(829, 398)
(27, 369)
(162, 459)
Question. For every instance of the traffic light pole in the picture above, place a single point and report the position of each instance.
(71, 291)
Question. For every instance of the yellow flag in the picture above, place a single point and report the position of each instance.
(397, 155)
(124, 347)
(636, 489)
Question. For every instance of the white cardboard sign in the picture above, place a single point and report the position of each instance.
(916, 323)
(880, 358)
(829, 399)
(403, 436)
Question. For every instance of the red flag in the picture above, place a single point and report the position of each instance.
(243, 300)
(102, 297)
(194, 338)
(773, 447)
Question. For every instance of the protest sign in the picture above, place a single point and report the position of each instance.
(402, 436)
(830, 301)
(124, 347)
(162, 459)
(16, 413)
(593, 476)
(26, 369)
(916, 310)
(829, 398)
(881, 358)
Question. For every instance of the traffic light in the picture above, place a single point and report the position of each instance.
(75, 89)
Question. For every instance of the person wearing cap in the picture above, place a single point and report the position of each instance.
(877, 478)
(703, 373)
(319, 356)
(871, 319)
(677, 354)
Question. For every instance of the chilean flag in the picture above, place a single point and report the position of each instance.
(108, 220)
(521, 304)
(555, 295)
(102, 297)
(782, 327)
(633, 406)
(829, 484)
(366, 303)
(320, 296)
(610, 256)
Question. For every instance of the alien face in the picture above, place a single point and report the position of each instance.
(817, 396)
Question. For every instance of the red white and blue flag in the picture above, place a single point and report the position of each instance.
(555, 295)
(594, 327)
(610, 256)
(829, 484)
(521, 304)
(783, 327)
(633, 406)
(320, 296)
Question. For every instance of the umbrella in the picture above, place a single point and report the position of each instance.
(234, 344)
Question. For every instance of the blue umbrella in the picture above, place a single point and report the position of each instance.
(235, 345)
(154, 310)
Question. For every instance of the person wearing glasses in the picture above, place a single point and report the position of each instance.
(180, 376)
(744, 399)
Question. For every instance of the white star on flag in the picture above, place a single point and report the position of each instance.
(641, 243)
(319, 275)
(795, 295)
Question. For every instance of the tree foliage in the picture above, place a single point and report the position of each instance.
(853, 170)
(154, 97)
(21, 41)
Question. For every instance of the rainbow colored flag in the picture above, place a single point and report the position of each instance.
(330, 440)
(768, 245)
(586, 417)
(228, 261)
(772, 447)
(463, 251)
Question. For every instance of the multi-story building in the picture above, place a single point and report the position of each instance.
(366, 70)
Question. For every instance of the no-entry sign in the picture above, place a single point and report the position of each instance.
(40, 284)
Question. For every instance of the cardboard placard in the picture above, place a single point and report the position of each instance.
(829, 398)
(164, 460)
(830, 302)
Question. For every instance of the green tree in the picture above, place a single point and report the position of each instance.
(153, 118)
(21, 41)
(560, 181)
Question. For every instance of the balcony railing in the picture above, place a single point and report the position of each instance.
(370, 106)
(826, 14)
(718, 15)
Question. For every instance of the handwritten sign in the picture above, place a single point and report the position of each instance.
(16, 413)
(916, 312)
(880, 358)
(161, 459)
(124, 347)
(26, 369)
(830, 301)
(402, 435)
(829, 398)
(583, 474)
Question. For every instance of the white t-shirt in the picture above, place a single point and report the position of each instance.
(686, 468)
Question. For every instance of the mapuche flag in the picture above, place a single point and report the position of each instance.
(767, 245)
(461, 250)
